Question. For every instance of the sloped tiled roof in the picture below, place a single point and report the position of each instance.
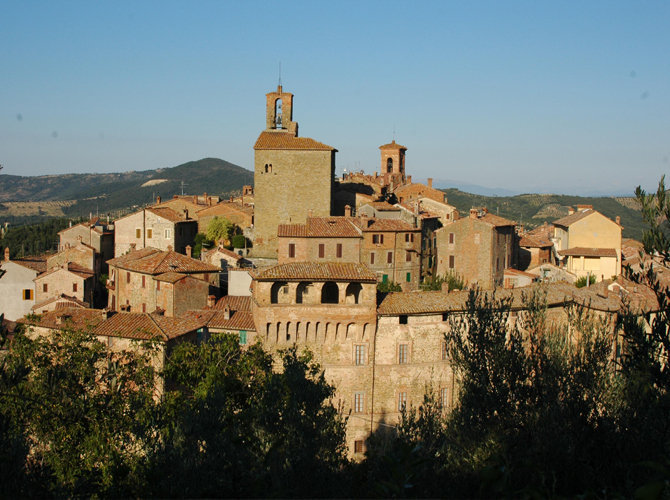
(170, 277)
(168, 214)
(572, 218)
(439, 302)
(237, 320)
(530, 241)
(64, 301)
(589, 252)
(145, 326)
(67, 318)
(285, 140)
(234, 302)
(153, 261)
(392, 145)
(383, 206)
(225, 207)
(315, 271)
(496, 220)
(292, 230)
(224, 251)
(36, 263)
(394, 225)
(72, 267)
(321, 227)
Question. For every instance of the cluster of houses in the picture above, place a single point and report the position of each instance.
(321, 247)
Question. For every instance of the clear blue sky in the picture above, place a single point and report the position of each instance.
(565, 97)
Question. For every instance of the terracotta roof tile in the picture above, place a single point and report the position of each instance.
(237, 320)
(168, 214)
(63, 301)
(315, 271)
(153, 261)
(384, 206)
(225, 207)
(440, 302)
(36, 263)
(145, 326)
(394, 225)
(531, 241)
(572, 218)
(285, 140)
(234, 302)
(392, 145)
(72, 267)
(589, 252)
(170, 277)
(495, 220)
(292, 230)
(321, 227)
(67, 318)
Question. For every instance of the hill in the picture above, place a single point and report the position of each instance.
(113, 192)
(532, 210)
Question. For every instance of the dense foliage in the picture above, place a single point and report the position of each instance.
(453, 281)
(33, 239)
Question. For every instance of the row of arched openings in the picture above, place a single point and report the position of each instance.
(330, 293)
(319, 332)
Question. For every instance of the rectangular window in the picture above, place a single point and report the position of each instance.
(243, 337)
(372, 257)
(158, 286)
(385, 278)
(291, 250)
(402, 319)
(444, 398)
(28, 294)
(322, 250)
(138, 233)
(338, 251)
(409, 277)
(358, 446)
(411, 237)
(150, 233)
(451, 262)
(402, 353)
(359, 402)
(378, 239)
(168, 234)
(402, 400)
(359, 354)
(144, 281)
(451, 238)
(389, 258)
(144, 307)
(74, 287)
(45, 287)
(128, 277)
(408, 257)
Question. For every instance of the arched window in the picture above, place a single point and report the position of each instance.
(278, 114)
(353, 293)
(278, 292)
(389, 165)
(330, 293)
(266, 168)
(302, 292)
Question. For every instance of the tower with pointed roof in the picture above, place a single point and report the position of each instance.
(293, 176)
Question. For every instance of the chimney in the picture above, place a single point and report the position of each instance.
(347, 210)
(6, 254)
(175, 197)
(473, 213)
(226, 312)
(310, 213)
(158, 200)
(169, 248)
(105, 313)
(618, 220)
(231, 198)
(211, 300)
(571, 210)
(409, 179)
(209, 201)
(485, 210)
(204, 198)
(430, 182)
(195, 199)
(188, 250)
(186, 213)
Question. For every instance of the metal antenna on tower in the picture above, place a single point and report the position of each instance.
(279, 74)
(182, 187)
(394, 132)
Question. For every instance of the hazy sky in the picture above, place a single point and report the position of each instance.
(547, 96)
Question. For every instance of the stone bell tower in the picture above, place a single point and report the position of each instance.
(279, 112)
(393, 163)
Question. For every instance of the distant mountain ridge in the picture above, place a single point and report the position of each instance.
(532, 210)
(113, 192)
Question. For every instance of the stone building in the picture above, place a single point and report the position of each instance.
(70, 279)
(391, 248)
(588, 243)
(329, 308)
(94, 233)
(150, 279)
(17, 285)
(154, 227)
(293, 176)
(536, 247)
(238, 213)
(320, 239)
(478, 248)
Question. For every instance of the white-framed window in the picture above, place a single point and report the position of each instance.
(359, 354)
(402, 400)
(167, 234)
(359, 402)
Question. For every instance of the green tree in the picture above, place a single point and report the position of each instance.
(388, 286)
(232, 426)
(86, 411)
(453, 280)
(220, 228)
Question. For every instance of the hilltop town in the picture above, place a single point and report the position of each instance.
(364, 270)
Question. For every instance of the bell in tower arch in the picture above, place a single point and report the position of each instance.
(278, 114)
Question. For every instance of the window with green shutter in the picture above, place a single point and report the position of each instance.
(243, 337)
(409, 277)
